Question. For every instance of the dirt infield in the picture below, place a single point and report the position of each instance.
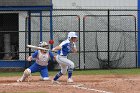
(82, 84)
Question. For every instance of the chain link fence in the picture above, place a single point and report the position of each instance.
(107, 38)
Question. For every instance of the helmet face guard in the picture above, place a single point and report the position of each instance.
(43, 44)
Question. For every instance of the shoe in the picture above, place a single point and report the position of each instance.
(55, 82)
(69, 80)
(45, 78)
(19, 80)
(22, 79)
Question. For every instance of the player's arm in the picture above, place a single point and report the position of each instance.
(52, 57)
(59, 47)
(56, 48)
(74, 49)
(34, 55)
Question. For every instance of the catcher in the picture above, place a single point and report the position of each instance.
(40, 65)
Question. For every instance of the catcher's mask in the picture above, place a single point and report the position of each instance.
(43, 44)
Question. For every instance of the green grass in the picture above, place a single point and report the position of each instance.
(108, 72)
(82, 72)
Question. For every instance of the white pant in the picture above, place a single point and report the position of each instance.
(64, 63)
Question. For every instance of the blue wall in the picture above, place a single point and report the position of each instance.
(12, 64)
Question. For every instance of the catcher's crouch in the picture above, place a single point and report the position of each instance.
(42, 57)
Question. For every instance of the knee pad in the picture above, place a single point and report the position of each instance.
(63, 71)
(27, 72)
(71, 66)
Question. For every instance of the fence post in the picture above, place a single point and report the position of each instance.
(51, 26)
(138, 33)
(108, 38)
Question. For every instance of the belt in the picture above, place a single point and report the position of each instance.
(62, 55)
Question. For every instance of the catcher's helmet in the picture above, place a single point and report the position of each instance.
(43, 44)
(72, 34)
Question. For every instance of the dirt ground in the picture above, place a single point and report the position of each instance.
(82, 84)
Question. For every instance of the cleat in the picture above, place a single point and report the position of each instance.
(28, 78)
(45, 78)
(22, 79)
(69, 80)
(55, 82)
(19, 80)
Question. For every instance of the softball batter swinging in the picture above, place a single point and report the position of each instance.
(64, 49)
(42, 57)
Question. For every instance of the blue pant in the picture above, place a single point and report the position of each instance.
(37, 68)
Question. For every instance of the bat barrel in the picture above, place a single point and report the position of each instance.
(36, 47)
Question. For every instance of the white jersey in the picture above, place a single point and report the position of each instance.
(42, 59)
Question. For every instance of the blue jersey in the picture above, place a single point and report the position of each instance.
(42, 59)
(66, 48)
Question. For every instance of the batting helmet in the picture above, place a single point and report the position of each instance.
(72, 34)
(43, 44)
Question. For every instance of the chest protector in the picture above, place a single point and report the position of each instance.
(42, 59)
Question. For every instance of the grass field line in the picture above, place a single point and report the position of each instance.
(80, 86)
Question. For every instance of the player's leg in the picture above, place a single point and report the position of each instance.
(44, 73)
(57, 76)
(70, 70)
(33, 68)
(60, 73)
(26, 73)
(66, 62)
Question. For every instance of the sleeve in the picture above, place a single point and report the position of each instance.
(51, 56)
(61, 44)
(34, 55)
